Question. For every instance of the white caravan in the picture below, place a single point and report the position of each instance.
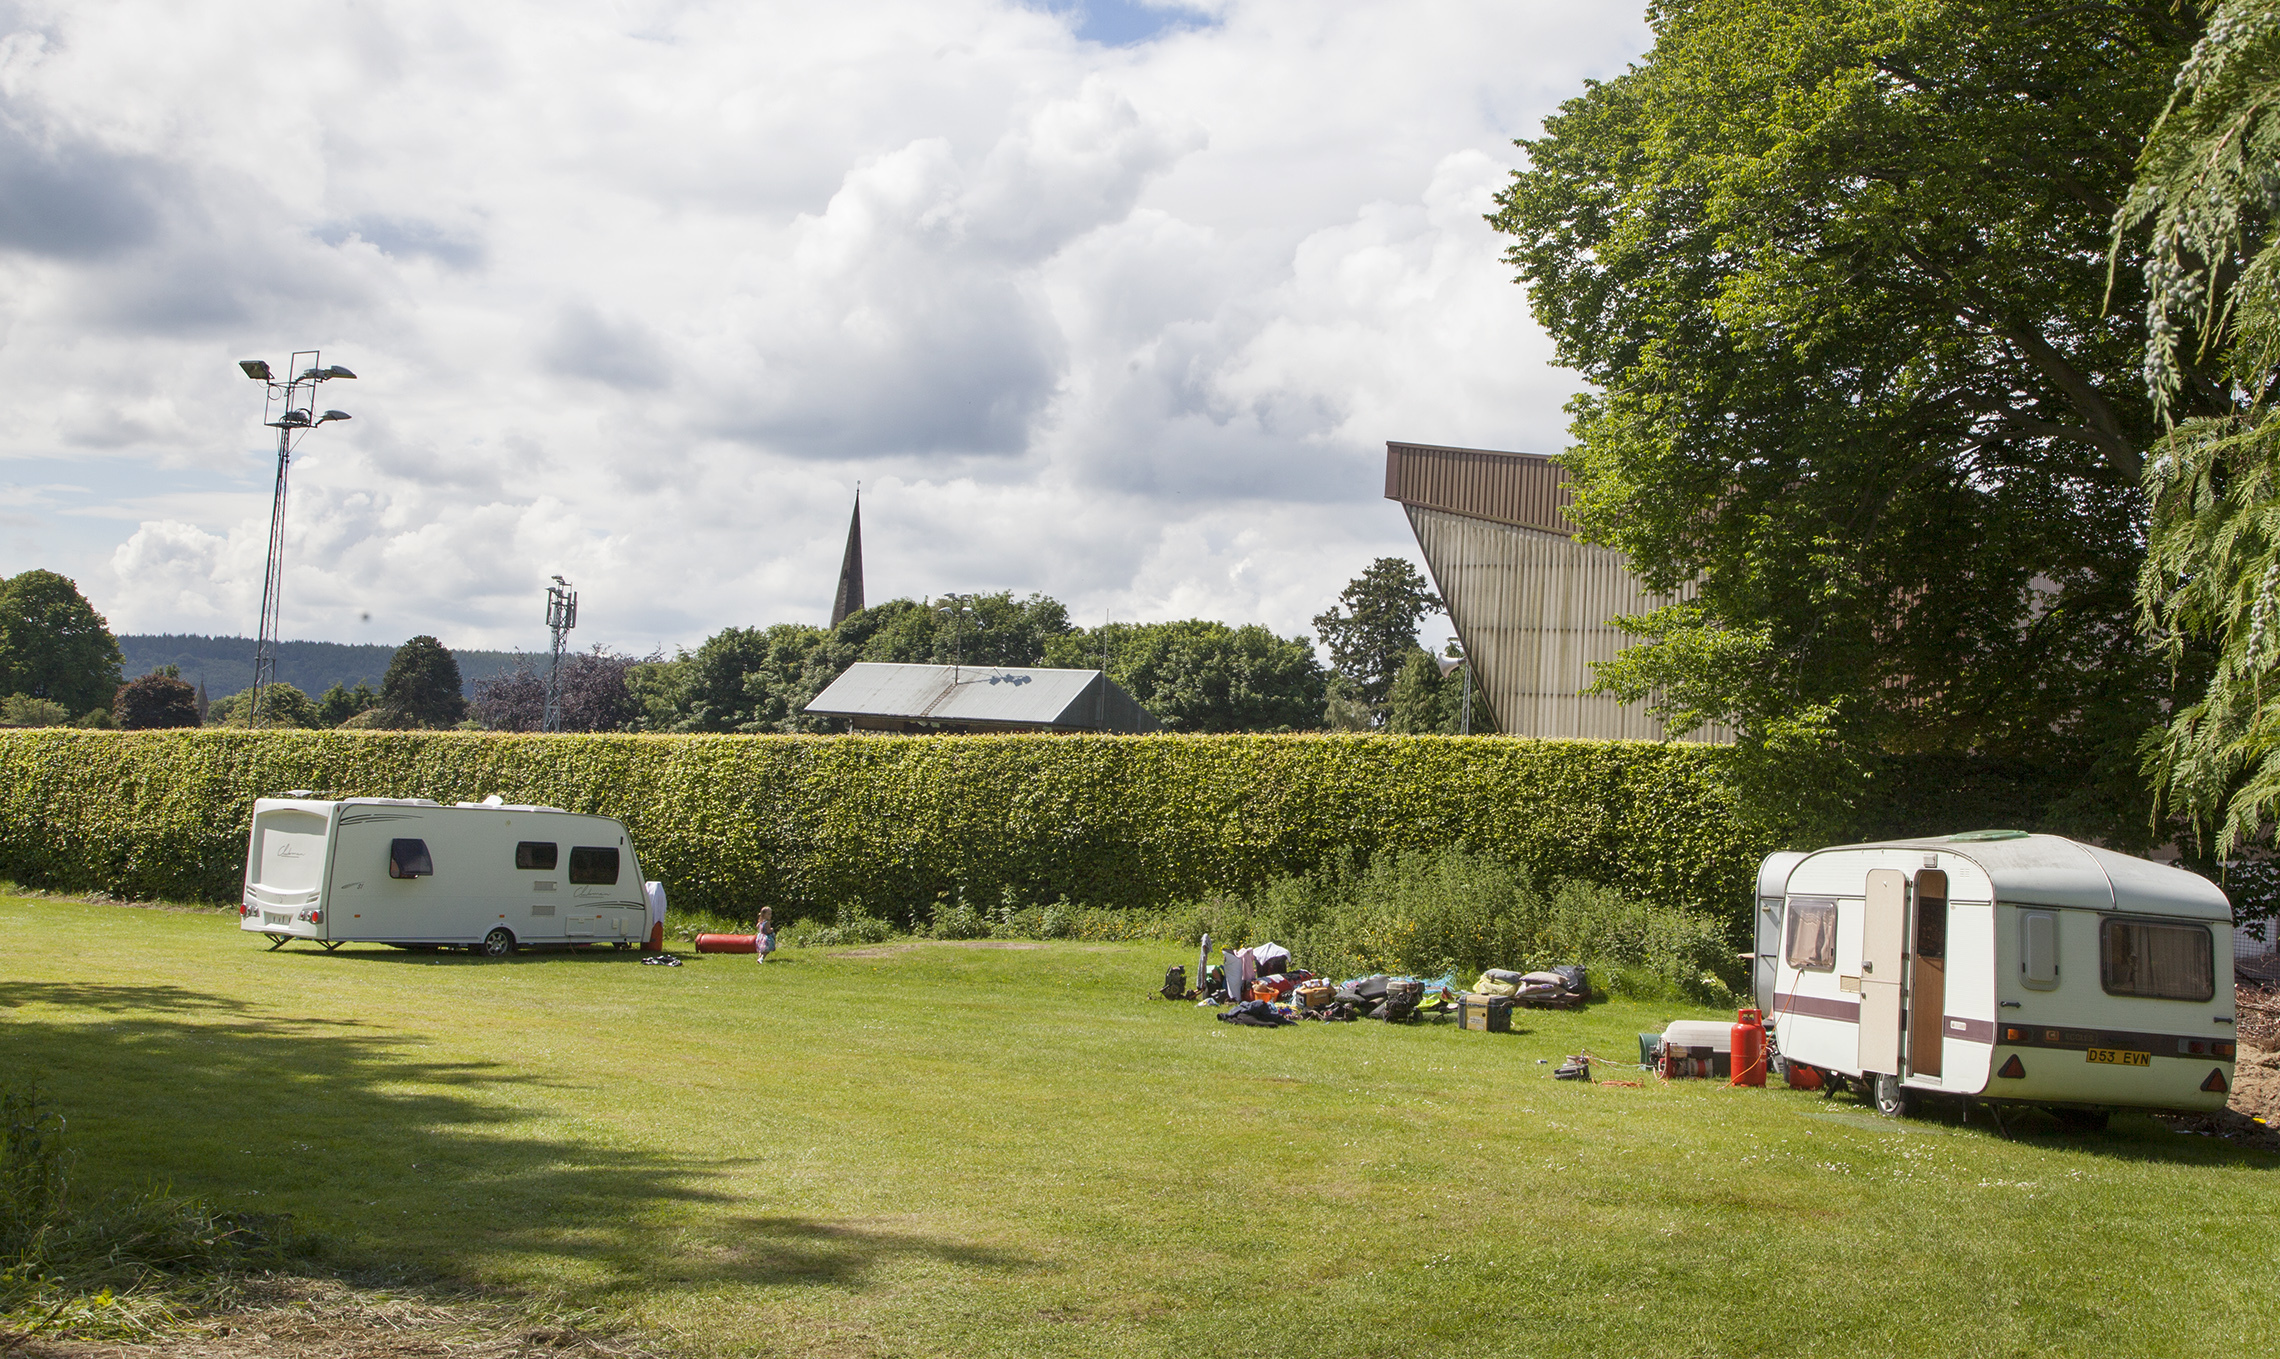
(489, 876)
(2003, 967)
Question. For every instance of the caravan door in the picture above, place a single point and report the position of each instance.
(1884, 924)
(1927, 976)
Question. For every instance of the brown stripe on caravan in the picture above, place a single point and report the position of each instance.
(1969, 1030)
(2018, 1033)
(1816, 1007)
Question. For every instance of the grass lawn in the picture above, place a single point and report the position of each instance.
(1022, 1151)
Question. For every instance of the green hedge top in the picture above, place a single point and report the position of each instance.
(809, 824)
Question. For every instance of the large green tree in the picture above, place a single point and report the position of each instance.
(421, 688)
(53, 645)
(1372, 633)
(1200, 676)
(2207, 202)
(1835, 270)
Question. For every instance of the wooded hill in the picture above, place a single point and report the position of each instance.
(225, 664)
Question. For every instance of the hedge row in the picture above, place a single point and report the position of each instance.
(892, 825)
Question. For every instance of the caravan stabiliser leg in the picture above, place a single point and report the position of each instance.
(278, 941)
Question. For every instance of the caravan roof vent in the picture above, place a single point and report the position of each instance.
(1974, 837)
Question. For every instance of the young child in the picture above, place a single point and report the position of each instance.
(764, 934)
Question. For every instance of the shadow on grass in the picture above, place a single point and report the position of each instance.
(799, 1250)
(407, 1163)
(2134, 1134)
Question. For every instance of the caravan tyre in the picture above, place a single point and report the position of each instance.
(2083, 1120)
(1893, 1100)
(498, 943)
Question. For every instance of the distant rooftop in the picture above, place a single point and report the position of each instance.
(979, 698)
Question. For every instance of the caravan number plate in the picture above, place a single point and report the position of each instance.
(2120, 1057)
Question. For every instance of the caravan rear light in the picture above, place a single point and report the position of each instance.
(2014, 1035)
(2192, 1047)
(316, 917)
(2013, 1069)
(2224, 1050)
(2216, 1084)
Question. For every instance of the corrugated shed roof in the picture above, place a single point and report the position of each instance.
(1524, 489)
(1076, 700)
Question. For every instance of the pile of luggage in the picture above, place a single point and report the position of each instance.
(1558, 988)
(1265, 991)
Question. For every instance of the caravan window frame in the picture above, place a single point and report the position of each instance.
(583, 869)
(1823, 958)
(408, 858)
(2108, 925)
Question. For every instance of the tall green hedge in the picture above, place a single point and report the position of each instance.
(809, 824)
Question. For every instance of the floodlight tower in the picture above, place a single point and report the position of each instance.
(1456, 659)
(561, 616)
(290, 409)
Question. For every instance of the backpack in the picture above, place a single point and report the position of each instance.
(1175, 983)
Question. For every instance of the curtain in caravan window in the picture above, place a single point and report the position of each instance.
(2168, 962)
(2038, 949)
(1812, 933)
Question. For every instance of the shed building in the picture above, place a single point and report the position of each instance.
(971, 699)
(1531, 604)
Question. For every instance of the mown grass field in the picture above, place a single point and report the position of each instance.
(949, 1150)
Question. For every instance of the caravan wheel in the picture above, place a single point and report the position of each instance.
(1892, 1099)
(497, 944)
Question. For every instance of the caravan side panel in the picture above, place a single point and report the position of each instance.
(1967, 1053)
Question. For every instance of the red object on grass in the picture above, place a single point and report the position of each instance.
(1748, 1040)
(727, 943)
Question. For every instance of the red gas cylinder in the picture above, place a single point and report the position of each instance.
(1748, 1039)
(726, 943)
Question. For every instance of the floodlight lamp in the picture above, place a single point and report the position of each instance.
(332, 415)
(294, 417)
(257, 369)
(336, 371)
(311, 375)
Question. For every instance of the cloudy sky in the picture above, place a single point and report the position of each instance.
(1114, 302)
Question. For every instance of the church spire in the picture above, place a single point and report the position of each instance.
(850, 597)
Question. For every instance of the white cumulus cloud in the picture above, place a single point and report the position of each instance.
(1118, 303)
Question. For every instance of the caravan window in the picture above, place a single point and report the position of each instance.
(2038, 949)
(1812, 942)
(536, 854)
(590, 865)
(409, 859)
(2167, 962)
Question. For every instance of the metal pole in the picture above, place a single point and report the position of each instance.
(1466, 728)
(561, 616)
(300, 385)
(272, 586)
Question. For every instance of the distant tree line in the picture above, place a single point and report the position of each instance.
(61, 664)
(1192, 675)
